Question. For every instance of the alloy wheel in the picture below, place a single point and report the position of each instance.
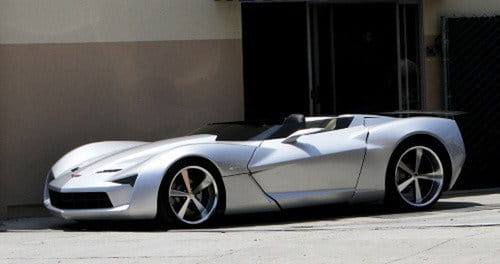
(193, 195)
(419, 176)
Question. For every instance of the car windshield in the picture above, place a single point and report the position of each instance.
(239, 131)
(244, 131)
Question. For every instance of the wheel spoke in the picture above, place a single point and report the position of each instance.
(184, 208)
(177, 193)
(418, 193)
(418, 159)
(433, 176)
(185, 177)
(402, 186)
(203, 185)
(200, 206)
(405, 167)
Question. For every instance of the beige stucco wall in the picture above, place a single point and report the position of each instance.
(433, 10)
(78, 71)
(63, 21)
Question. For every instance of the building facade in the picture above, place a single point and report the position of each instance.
(74, 72)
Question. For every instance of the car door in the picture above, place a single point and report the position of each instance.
(318, 168)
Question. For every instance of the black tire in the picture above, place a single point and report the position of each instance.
(166, 216)
(396, 199)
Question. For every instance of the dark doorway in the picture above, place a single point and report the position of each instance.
(326, 58)
(355, 65)
(275, 59)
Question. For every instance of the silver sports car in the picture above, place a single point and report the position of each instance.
(243, 167)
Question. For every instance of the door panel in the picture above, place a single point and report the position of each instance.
(318, 168)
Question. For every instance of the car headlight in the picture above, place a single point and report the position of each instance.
(130, 180)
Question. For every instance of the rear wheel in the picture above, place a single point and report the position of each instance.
(191, 194)
(415, 176)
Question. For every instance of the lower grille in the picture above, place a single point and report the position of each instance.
(79, 200)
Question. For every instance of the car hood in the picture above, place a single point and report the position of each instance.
(124, 159)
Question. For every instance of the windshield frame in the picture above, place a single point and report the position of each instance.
(239, 131)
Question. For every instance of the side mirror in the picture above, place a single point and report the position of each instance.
(294, 136)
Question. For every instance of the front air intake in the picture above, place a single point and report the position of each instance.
(80, 200)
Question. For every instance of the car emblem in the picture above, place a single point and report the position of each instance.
(74, 175)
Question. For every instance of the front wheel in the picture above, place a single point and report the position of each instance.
(191, 194)
(415, 176)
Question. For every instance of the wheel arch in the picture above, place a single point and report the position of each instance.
(194, 159)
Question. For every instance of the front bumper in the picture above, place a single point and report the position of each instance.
(127, 202)
(120, 212)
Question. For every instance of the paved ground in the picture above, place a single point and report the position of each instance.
(462, 228)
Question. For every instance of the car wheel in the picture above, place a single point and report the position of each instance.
(191, 194)
(415, 176)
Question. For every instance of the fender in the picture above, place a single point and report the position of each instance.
(384, 138)
(231, 159)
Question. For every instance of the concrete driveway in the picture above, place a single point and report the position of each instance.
(461, 228)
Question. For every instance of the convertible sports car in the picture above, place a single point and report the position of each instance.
(238, 167)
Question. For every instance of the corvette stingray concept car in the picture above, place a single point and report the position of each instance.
(242, 167)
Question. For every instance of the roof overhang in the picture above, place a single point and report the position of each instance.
(333, 1)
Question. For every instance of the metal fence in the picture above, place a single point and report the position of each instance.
(471, 82)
